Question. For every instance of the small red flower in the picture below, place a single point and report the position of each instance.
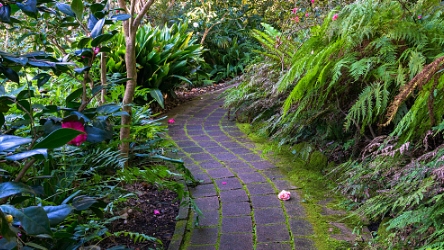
(335, 16)
(296, 19)
(96, 50)
(156, 212)
(77, 126)
(171, 121)
(419, 17)
(306, 14)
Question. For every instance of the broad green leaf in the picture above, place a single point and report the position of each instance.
(19, 60)
(120, 17)
(96, 135)
(27, 154)
(77, 8)
(57, 214)
(5, 13)
(157, 95)
(108, 108)
(58, 138)
(83, 202)
(33, 219)
(10, 74)
(29, 7)
(81, 70)
(65, 9)
(92, 20)
(41, 78)
(101, 38)
(97, 30)
(12, 188)
(11, 141)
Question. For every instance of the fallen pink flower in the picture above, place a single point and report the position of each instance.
(156, 212)
(306, 14)
(171, 121)
(77, 126)
(294, 10)
(284, 195)
(335, 16)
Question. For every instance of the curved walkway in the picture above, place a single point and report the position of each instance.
(238, 193)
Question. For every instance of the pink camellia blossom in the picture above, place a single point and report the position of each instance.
(419, 17)
(306, 14)
(335, 16)
(294, 10)
(1, 5)
(296, 19)
(312, 1)
(156, 212)
(171, 121)
(284, 195)
(77, 126)
(96, 50)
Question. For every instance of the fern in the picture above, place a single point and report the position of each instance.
(137, 237)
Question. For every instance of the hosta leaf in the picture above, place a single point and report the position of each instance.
(58, 138)
(33, 219)
(12, 188)
(27, 154)
(57, 214)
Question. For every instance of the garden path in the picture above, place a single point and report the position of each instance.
(238, 193)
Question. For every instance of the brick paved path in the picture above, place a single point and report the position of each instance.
(238, 194)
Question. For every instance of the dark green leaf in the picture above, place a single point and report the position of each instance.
(27, 154)
(2, 119)
(12, 141)
(12, 188)
(19, 60)
(83, 42)
(101, 38)
(157, 95)
(29, 7)
(81, 70)
(120, 17)
(33, 219)
(97, 30)
(41, 78)
(5, 13)
(41, 63)
(108, 109)
(47, 10)
(77, 8)
(10, 74)
(58, 138)
(97, 7)
(65, 9)
(74, 95)
(57, 214)
(92, 20)
(83, 202)
(25, 94)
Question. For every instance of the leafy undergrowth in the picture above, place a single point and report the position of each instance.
(306, 172)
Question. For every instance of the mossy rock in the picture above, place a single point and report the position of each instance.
(317, 161)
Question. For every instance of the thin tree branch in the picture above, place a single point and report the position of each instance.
(142, 13)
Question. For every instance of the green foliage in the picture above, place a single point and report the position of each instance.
(167, 57)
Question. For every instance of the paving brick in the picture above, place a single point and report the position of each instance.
(226, 157)
(269, 215)
(236, 209)
(240, 224)
(211, 164)
(301, 227)
(204, 178)
(221, 138)
(262, 165)
(237, 164)
(272, 233)
(251, 177)
(243, 170)
(285, 185)
(230, 196)
(303, 244)
(195, 132)
(242, 241)
(273, 174)
(201, 157)
(274, 246)
(294, 208)
(260, 188)
(253, 159)
(185, 143)
(193, 150)
(208, 203)
(199, 138)
(204, 247)
(194, 127)
(220, 173)
(209, 218)
(228, 183)
(203, 191)
(208, 144)
(263, 201)
(217, 150)
(204, 235)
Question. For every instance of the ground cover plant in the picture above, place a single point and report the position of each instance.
(363, 87)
